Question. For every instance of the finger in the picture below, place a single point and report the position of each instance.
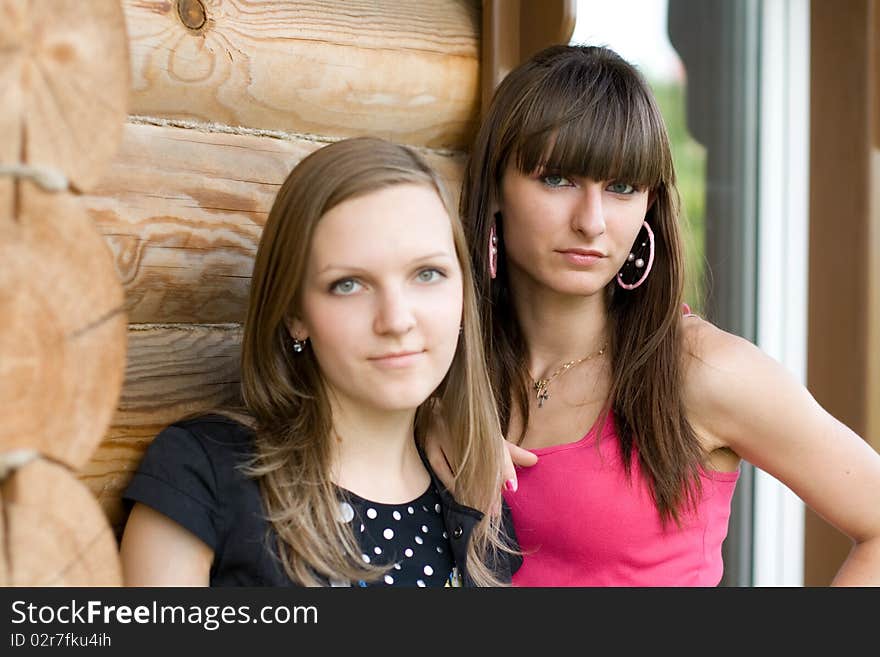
(515, 456)
(508, 471)
(520, 456)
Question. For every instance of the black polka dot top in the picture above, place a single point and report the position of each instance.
(411, 536)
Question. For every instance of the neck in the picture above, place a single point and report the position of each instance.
(557, 328)
(376, 455)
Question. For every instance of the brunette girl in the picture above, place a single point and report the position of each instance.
(639, 414)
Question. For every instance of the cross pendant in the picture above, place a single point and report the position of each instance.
(543, 393)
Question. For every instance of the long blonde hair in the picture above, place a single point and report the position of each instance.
(583, 110)
(285, 398)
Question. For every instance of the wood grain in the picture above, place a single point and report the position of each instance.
(406, 70)
(64, 85)
(53, 531)
(182, 211)
(62, 343)
(172, 371)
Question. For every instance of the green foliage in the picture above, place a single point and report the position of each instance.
(690, 169)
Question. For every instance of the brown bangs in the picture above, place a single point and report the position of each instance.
(604, 129)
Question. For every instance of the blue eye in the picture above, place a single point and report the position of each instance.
(429, 275)
(345, 287)
(556, 180)
(620, 188)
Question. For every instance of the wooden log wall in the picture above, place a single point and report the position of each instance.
(64, 86)
(226, 97)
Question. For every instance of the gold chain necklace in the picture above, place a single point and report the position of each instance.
(542, 386)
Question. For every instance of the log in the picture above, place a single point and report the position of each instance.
(11, 100)
(182, 211)
(407, 70)
(62, 344)
(172, 371)
(53, 531)
(64, 86)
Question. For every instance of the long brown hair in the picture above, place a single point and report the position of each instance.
(285, 397)
(583, 110)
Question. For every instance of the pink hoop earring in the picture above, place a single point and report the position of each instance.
(638, 261)
(493, 252)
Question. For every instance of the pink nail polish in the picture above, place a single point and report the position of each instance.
(510, 485)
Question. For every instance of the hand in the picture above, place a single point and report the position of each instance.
(514, 456)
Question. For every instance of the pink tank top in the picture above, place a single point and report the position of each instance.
(581, 522)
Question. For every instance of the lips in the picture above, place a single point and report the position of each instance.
(581, 257)
(584, 252)
(396, 354)
(396, 359)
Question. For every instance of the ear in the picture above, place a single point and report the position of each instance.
(296, 328)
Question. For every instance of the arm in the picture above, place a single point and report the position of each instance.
(173, 529)
(156, 551)
(741, 399)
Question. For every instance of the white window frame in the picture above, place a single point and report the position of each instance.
(783, 229)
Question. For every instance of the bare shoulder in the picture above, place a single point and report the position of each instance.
(706, 348)
(725, 378)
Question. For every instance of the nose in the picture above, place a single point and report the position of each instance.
(588, 216)
(394, 314)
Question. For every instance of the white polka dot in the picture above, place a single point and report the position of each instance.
(346, 513)
(389, 579)
(397, 566)
(428, 571)
(420, 583)
(366, 558)
(424, 529)
(371, 513)
(362, 528)
(437, 508)
(396, 515)
(439, 550)
(408, 552)
(424, 508)
(419, 540)
(388, 534)
(377, 550)
(445, 535)
(410, 510)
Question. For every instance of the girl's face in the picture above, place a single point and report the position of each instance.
(382, 298)
(568, 233)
